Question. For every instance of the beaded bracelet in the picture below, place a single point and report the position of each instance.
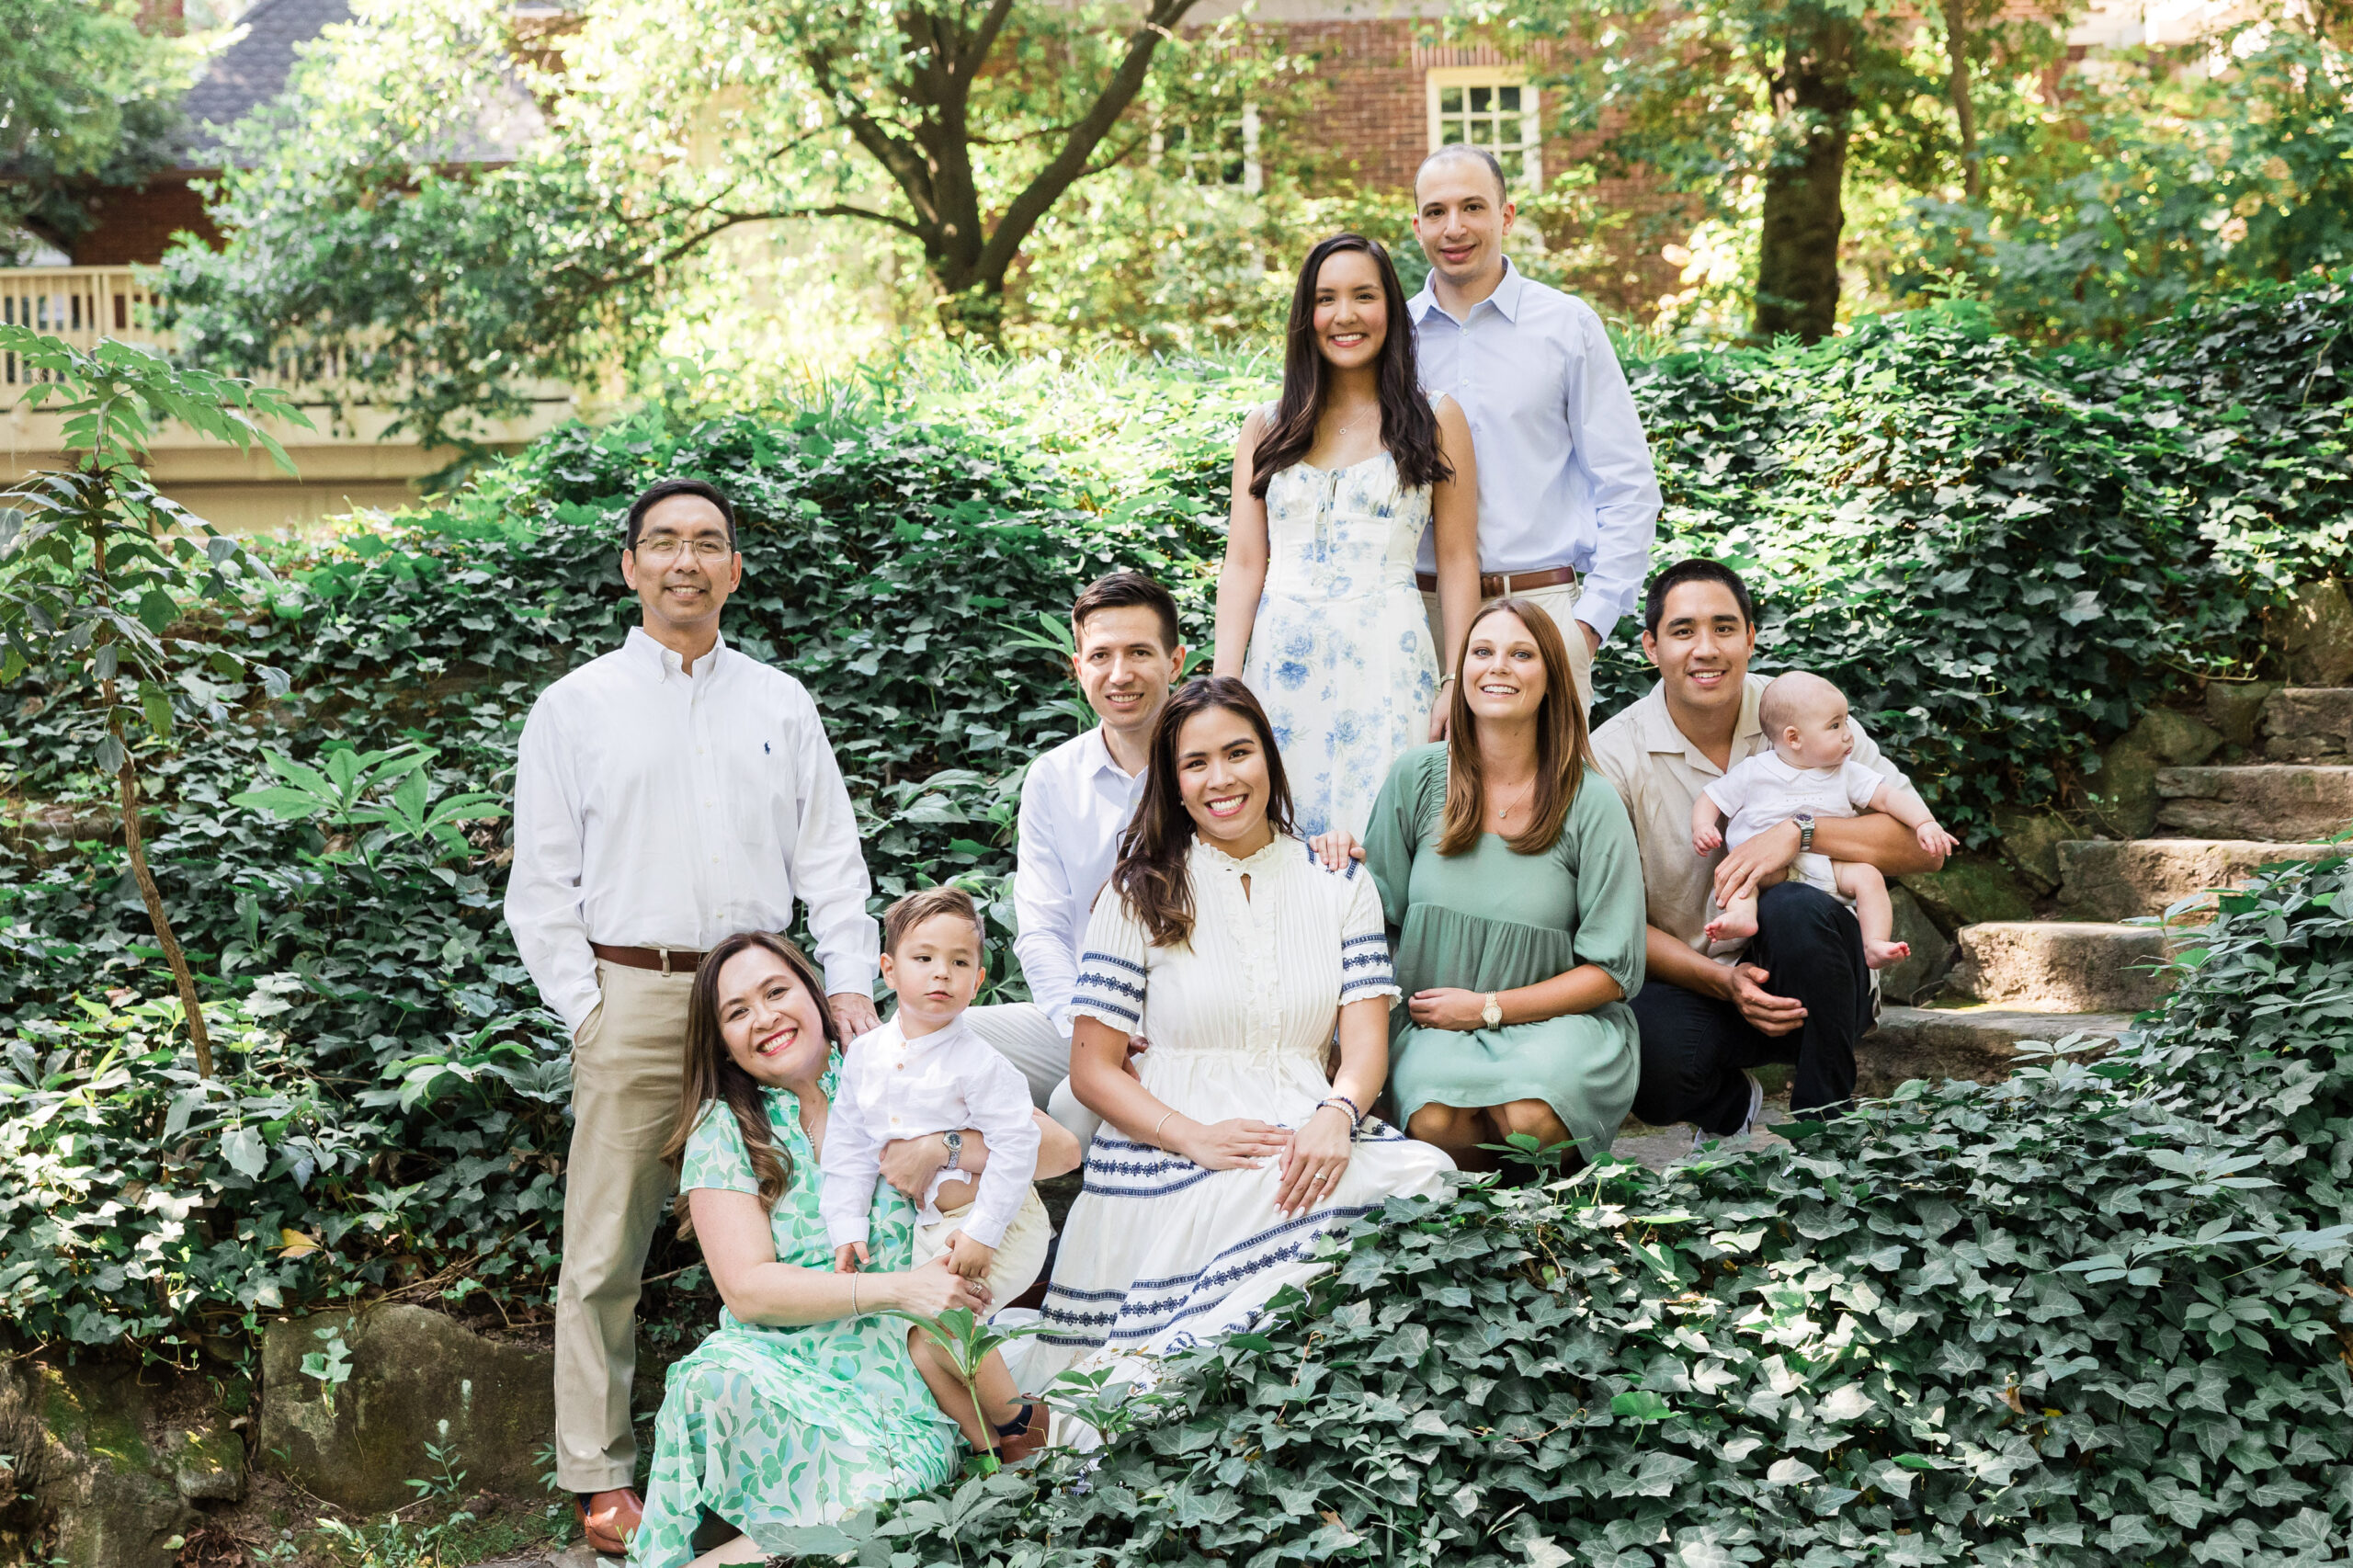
(1355, 1117)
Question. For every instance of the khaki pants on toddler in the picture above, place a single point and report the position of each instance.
(1020, 1257)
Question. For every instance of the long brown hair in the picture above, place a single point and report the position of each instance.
(1151, 875)
(1408, 424)
(711, 1074)
(1563, 750)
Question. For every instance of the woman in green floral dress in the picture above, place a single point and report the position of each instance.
(804, 1404)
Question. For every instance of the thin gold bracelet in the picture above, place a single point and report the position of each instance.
(853, 1295)
(1155, 1130)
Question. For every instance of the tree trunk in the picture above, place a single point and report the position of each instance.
(1797, 261)
(1964, 110)
(127, 780)
(974, 317)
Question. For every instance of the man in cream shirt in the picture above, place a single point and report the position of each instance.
(1568, 499)
(666, 795)
(1799, 993)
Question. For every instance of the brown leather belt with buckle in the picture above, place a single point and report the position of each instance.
(1497, 585)
(661, 961)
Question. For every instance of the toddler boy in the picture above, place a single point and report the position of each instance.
(927, 1071)
(1810, 773)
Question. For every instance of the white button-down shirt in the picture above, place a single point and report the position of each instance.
(1075, 804)
(658, 809)
(1564, 471)
(893, 1087)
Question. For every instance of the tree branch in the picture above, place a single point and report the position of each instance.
(1022, 213)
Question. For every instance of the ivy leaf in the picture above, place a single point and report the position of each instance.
(244, 1150)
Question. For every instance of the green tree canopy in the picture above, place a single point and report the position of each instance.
(471, 197)
(86, 100)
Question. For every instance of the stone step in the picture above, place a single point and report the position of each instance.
(2309, 724)
(2061, 966)
(2283, 803)
(2114, 879)
(1976, 1043)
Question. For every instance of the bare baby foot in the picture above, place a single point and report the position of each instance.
(1885, 955)
(1732, 926)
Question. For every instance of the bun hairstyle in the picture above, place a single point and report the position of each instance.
(1408, 424)
(711, 1075)
(1563, 750)
(1151, 875)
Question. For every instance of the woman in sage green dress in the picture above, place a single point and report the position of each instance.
(1512, 886)
(803, 1405)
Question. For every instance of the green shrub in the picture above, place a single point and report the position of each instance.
(2095, 1315)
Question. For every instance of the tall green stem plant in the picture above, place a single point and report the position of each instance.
(98, 568)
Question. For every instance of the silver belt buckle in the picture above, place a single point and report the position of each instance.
(666, 960)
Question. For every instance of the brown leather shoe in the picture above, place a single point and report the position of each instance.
(608, 1519)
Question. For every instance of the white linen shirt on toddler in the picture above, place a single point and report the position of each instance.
(891, 1087)
(1764, 792)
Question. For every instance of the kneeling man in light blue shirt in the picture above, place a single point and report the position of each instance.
(1568, 500)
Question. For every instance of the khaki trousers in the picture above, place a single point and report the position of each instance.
(1560, 602)
(627, 1072)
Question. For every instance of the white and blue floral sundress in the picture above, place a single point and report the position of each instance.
(1340, 652)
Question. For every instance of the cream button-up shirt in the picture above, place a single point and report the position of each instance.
(659, 809)
(1660, 773)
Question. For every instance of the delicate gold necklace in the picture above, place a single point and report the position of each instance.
(1527, 793)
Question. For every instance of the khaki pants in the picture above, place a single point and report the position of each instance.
(627, 1070)
(1020, 1257)
(1560, 602)
(1024, 1036)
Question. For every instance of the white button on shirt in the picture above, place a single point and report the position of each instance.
(658, 809)
(1566, 476)
(1075, 804)
(893, 1087)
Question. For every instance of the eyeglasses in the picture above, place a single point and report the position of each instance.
(665, 547)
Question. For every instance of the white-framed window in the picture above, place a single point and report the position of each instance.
(1491, 106)
(1215, 149)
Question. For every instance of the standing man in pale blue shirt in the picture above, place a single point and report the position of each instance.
(1568, 499)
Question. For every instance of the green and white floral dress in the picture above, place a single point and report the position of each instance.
(772, 1428)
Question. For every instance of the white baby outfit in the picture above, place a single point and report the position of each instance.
(1764, 792)
(891, 1087)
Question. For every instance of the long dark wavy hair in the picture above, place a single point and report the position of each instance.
(1151, 875)
(1408, 426)
(1563, 749)
(711, 1074)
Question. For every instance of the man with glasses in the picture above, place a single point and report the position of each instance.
(667, 794)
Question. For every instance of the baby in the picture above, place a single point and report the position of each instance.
(1809, 770)
(927, 1072)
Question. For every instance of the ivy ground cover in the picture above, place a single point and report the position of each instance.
(2001, 555)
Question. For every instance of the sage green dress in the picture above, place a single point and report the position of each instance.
(1494, 919)
(775, 1427)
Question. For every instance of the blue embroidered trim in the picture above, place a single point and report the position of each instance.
(1364, 961)
(1114, 961)
(1127, 1013)
(1139, 1320)
(1110, 982)
(1369, 937)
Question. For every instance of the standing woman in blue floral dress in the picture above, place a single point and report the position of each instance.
(803, 1405)
(1317, 607)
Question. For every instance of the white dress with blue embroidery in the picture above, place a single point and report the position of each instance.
(1159, 1253)
(1340, 651)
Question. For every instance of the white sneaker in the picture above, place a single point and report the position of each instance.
(1702, 1137)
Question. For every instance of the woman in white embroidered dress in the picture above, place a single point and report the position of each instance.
(1222, 938)
(1334, 487)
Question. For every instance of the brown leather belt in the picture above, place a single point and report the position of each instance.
(1497, 585)
(663, 960)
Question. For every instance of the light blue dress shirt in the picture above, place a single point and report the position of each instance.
(1075, 804)
(1564, 471)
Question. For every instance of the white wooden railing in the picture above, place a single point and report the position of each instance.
(82, 304)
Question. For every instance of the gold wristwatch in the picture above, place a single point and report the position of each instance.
(1492, 1015)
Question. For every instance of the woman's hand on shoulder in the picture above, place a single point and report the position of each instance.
(934, 1288)
(1446, 1008)
(1335, 848)
(1240, 1144)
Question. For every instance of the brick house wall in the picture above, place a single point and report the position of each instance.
(137, 225)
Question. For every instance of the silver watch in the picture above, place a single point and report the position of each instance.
(955, 1150)
(1805, 832)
